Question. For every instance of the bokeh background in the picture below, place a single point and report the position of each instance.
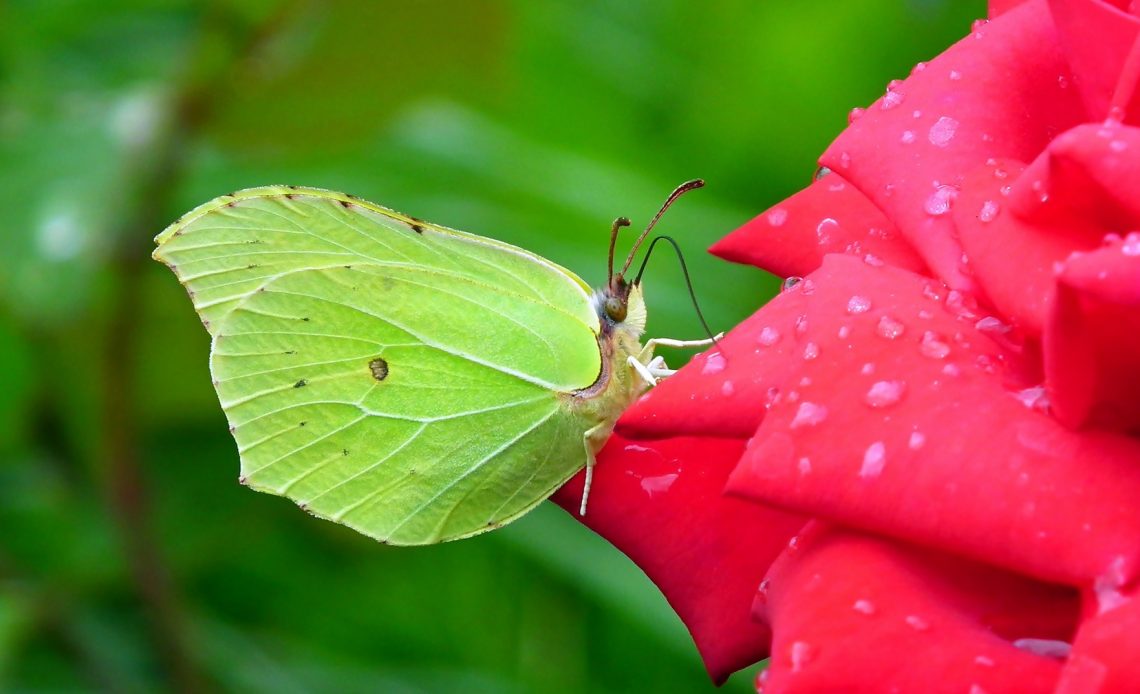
(130, 559)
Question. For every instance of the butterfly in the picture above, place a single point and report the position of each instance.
(413, 382)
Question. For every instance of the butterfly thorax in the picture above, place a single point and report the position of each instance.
(617, 385)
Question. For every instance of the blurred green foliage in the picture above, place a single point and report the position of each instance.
(129, 558)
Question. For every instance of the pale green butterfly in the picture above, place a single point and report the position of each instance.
(413, 382)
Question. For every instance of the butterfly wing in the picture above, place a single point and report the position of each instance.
(398, 377)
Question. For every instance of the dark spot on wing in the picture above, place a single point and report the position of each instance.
(345, 204)
(231, 203)
(251, 266)
(306, 319)
(302, 424)
(291, 196)
(417, 227)
(300, 384)
(379, 368)
(243, 480)
(291, 351)
(344, 451)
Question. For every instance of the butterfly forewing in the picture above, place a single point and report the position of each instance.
(397, 377)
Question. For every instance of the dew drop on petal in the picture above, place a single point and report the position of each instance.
(808, 414)
(727, 388)
(801, 321)
(714, 364)
(989, 210)
(916, 441)
(769, 336)
(858, 304)
(917, 623)
(992, 324)
(658, 484)
(873, 260)
(891, 99)
(942, 132)
(804, 466)
(855, 114)
(873, 459)
(955, 75)
(867, 369)
(951, 370)
(1131, 245)
(801, 655)
(777, 216)
(811, 351)
(1047, 648)
(885, 393)
(864, 606)
(932, 346)
(825, 228)
(940, 201)
(907, 137)
(890, 328)
(1035, 398)
(844, 332)
(808, 287)
(790, 282)
(918, 67)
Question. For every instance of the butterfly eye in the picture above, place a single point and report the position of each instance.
(615, 308)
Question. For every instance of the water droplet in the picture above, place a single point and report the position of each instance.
(726, 388)
(855, 114)
(772, 396)
(984, 660)
(804, 466)
(992, 324)
(873, 459)
(1131, 245)
(951, 370)
(864, 607)
(714, 364)
(989, 210)
(777, 216)
(918, 67)
(931, 292)
(790, 282)
(924, 314)
(891, 99)
(942, 131)
(801, 322)
(808, 286)
(1118, 145)
(1062, 82)
(916, 440)
(890, 328)
(885, 393)
(811, 351)
(873, 260)
(978, 25)
(824, 229)
(917, 623)
(933, 346)
(844, 332)
(809, 414)
(907, 137)
(805, 381)
(1047, 648)
(955, 75)
(1005, 190)
(1035, 398)
(844, 160)
(916, 114)
(769, 336)
(802, 654)
(940, 201)
(658, 484)
(820, 173)
(858, 304)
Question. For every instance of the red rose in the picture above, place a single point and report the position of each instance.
(918, 468)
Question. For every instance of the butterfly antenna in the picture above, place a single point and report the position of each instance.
(618, 224)
(684, 271)
(681, 190)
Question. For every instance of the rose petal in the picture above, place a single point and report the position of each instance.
(1105, 656)
(722, 392)
(853, 613)
(1003, 92)
(1097, 38)
(829, 216)
(661, 504)
(1092, 345)
(909, 431)
(997, 7)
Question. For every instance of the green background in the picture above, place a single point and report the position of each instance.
(130, 559)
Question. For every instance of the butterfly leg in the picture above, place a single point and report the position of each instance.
(594, 438)
(645, 369)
